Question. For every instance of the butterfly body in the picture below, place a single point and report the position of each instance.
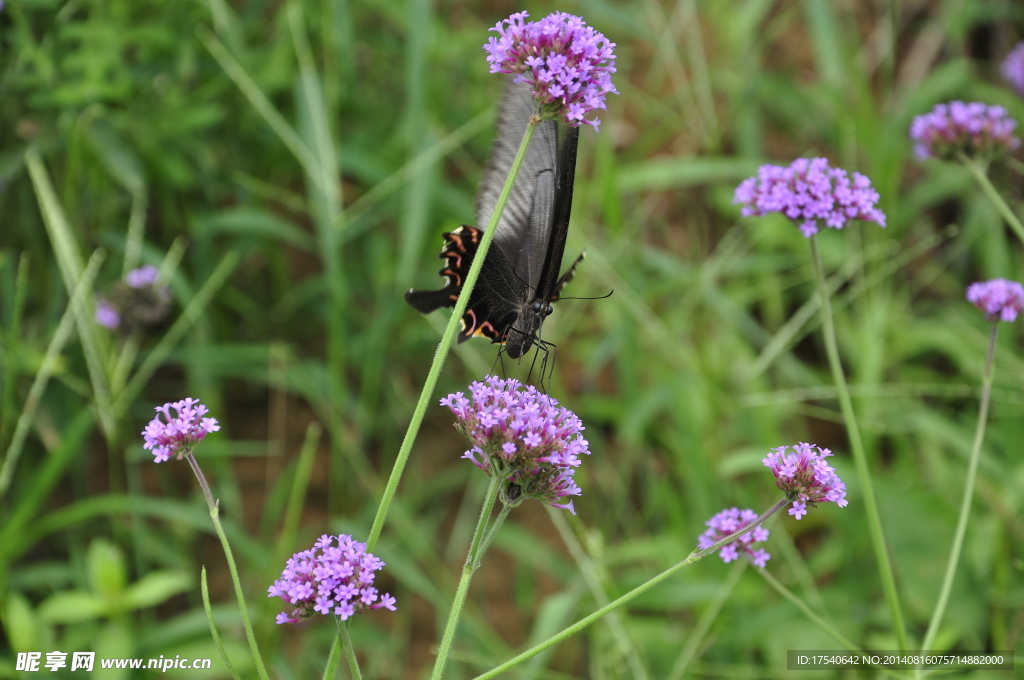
(519, 278)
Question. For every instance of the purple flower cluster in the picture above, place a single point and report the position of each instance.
(178, 435)
(974, 129)
(523, 435)
(809, 192)
(729, 522)
(1013, 68)
(805, 477)
(139, 300)
(330, 579)
(568, 64)
(1000, 299)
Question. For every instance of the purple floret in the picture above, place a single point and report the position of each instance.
(1000, 299)
(106, 315)
(522, 434)
(332, 577)
(143, 276)
(810, 193)
(568, 64)
(805, 477)
(974, 129)
(729, 522)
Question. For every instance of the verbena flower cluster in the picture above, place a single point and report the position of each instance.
(805, 477)
(523, 435)
(568, 64)
(729, 522)
(330, 579)
(137, 301)
(177, 435)
(974, 129)
(1000, 299)
(1013, 68)
(809, 192)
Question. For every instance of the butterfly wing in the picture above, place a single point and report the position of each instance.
(529, 238)
(493, 305)
(524, 228)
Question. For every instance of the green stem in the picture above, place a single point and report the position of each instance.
(331, 667)
(350, 651)
(694, 557)
(822, 623)
(13, 334)
(981, 176)
(492, 532)
(235, 580)
(446, 342)
(853, 432)
(965, 505)
(472, 562)
(699, 633)
(589, 571)
(205, 588)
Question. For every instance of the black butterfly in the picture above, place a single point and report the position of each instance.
(519, 279)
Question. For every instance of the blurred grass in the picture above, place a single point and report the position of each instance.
(292, 165)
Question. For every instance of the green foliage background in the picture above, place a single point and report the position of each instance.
(302, 158)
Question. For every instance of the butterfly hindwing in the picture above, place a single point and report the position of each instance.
(491, 310)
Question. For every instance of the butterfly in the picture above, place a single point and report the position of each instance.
(519, 279)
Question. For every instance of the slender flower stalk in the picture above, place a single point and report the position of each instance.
(821, 622)
(178, 436)
(476, 549)
(979, 171)
(1001, 300)
(811, 194)
(586, 621)
(860, 459)
(334, 656)
(529, 446)
(965, 504)
(350, 652)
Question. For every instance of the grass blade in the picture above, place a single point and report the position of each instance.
(70, 263)
(53, 353)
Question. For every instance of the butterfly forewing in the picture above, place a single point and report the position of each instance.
(525, 224)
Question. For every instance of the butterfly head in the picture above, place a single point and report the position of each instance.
(522, 335)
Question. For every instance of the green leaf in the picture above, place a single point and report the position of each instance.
(107, 572)
(155, 588)
(20, 624)
(73, 606)
(115, 641)
(255, 222)
(116, 156)
(675, 173)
